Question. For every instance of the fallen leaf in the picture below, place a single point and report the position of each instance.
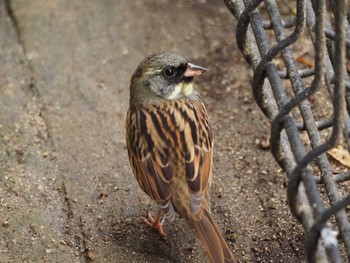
(265, 141)
(305, 61)
(341, 155)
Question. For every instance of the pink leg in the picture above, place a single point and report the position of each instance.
(155, 223)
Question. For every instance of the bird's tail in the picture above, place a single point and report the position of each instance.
(212, 239)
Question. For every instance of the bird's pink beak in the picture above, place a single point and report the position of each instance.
(193, 70)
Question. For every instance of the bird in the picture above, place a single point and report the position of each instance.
(170, 147)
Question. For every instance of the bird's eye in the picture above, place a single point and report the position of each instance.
(169, 73)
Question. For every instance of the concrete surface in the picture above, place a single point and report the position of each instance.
(67, 193)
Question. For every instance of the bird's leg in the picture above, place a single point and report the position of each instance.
(155, 223)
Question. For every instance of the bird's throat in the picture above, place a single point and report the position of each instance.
(187, 88)
(183, 88)
(176, 92)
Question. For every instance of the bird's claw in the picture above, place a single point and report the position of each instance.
(155, 223)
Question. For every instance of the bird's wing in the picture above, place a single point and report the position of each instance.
(148, 153)
(181, 126)
(198, 151)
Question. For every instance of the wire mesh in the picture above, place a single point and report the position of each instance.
(308, 104)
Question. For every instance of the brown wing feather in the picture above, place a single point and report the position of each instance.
(160, 134)
(197, 143)
(197, 149)
(148, 154)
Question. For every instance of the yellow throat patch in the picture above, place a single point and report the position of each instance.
(184, 88)
(187, 88)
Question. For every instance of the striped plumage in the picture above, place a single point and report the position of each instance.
(169, 142)
(168, 136)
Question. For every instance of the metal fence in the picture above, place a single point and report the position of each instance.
(285, 88)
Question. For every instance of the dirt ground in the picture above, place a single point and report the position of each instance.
(67, 193)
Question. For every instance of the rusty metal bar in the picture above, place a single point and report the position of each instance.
(331, 41)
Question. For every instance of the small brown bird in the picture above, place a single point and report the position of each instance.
(169, 142)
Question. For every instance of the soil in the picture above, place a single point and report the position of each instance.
(67, 193)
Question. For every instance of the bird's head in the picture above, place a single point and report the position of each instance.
(163, 76)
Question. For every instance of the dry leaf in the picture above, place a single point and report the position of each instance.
(341, 155)
(265, 141)
(305, 61)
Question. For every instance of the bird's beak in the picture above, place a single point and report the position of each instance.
(193, 70)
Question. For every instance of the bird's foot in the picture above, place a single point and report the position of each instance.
(155, 223)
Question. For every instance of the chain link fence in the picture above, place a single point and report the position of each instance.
(299, 51)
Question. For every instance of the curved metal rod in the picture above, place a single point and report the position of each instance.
(342, 177)
(321, 125)
(286, 23)
(304, 73)
(242, 28)
(247, 44)
(259, 72)
(315, 230)
(331, 35)
(338, 101)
